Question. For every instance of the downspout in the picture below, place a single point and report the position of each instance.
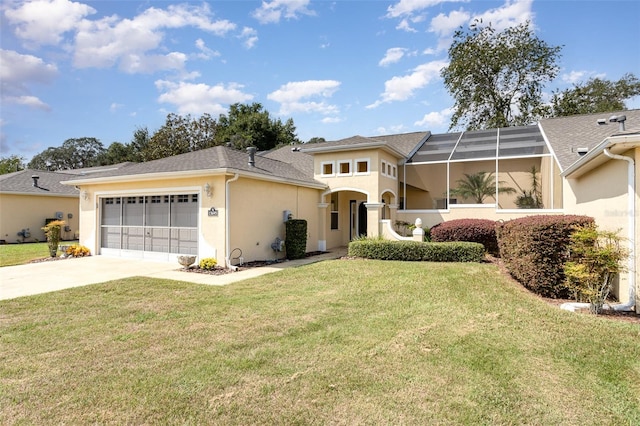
(227, 219)
(631, 211)
(632, 240)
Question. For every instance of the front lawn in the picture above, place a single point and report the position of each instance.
(337, 342)
(17, 254)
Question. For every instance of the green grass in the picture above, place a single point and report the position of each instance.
(338, 342)
(17, 254)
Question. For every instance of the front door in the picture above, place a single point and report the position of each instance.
(358, 220)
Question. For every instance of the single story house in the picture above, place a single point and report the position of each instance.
(220, 202)
(29, 199)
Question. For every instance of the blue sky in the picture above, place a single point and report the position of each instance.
(102, 69)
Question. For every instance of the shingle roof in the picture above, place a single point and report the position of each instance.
(292, 155)
(401, 143)
(96, 169)
(210, 159)
(48, 183)
(566, 134)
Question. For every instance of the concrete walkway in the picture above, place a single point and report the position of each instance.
(44, 277)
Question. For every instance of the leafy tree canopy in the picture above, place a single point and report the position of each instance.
(316, 140)
(496, 78)
(250, 125)
(75, 153)
(596, 95)
(179, 134)
(10, 164)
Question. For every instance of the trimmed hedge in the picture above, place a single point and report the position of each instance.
(481, 231)
(417, 251)
(295, 242)
(534, 250)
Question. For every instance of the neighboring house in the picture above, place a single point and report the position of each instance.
(31, 198)
(218, 201)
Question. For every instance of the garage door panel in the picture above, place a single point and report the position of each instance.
(150, 224)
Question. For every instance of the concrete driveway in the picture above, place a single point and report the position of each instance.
(44, 277)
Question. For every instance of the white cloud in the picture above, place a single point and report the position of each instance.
(392, 56)
(130, 42)
(445, 25)
(575, 77)
(512, 13)
(205, 52)
(404, 25)
(291, 96)
(402, 88)
(192, 98)
(435, 119)
(28, 101)
(115, 107)
(18, 72)
(250, 37)
(272, 11)
(331, 120)
(409, 7)
(44, 22)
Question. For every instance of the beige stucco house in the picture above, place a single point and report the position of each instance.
(220, 202)
(31, 198)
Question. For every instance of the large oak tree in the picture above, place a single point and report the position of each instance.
(496, 77)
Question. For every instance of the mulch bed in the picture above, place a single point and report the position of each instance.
(631, 317)
(247, 265)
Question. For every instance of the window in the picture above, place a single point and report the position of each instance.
(389, 170)
(334, 210)
(326, 168)
(362, 166)
(344, 168)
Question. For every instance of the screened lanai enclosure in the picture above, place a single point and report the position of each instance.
(507, 168)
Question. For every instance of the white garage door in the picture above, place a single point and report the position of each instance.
(149, 226)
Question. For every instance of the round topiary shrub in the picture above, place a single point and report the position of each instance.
(481, 231)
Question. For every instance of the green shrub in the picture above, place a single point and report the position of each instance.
(481, 231)
(208, 263)
(596, 259)
(52, 231)
(535, 248)
(295, 242)
(417, 251)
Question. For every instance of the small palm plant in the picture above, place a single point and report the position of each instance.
(531, 199)
(479, 186)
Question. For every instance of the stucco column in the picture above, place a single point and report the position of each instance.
(393, 210)
(322, 226)
(374, 214)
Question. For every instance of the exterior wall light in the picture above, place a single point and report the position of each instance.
(85, 195)
(208, 189)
